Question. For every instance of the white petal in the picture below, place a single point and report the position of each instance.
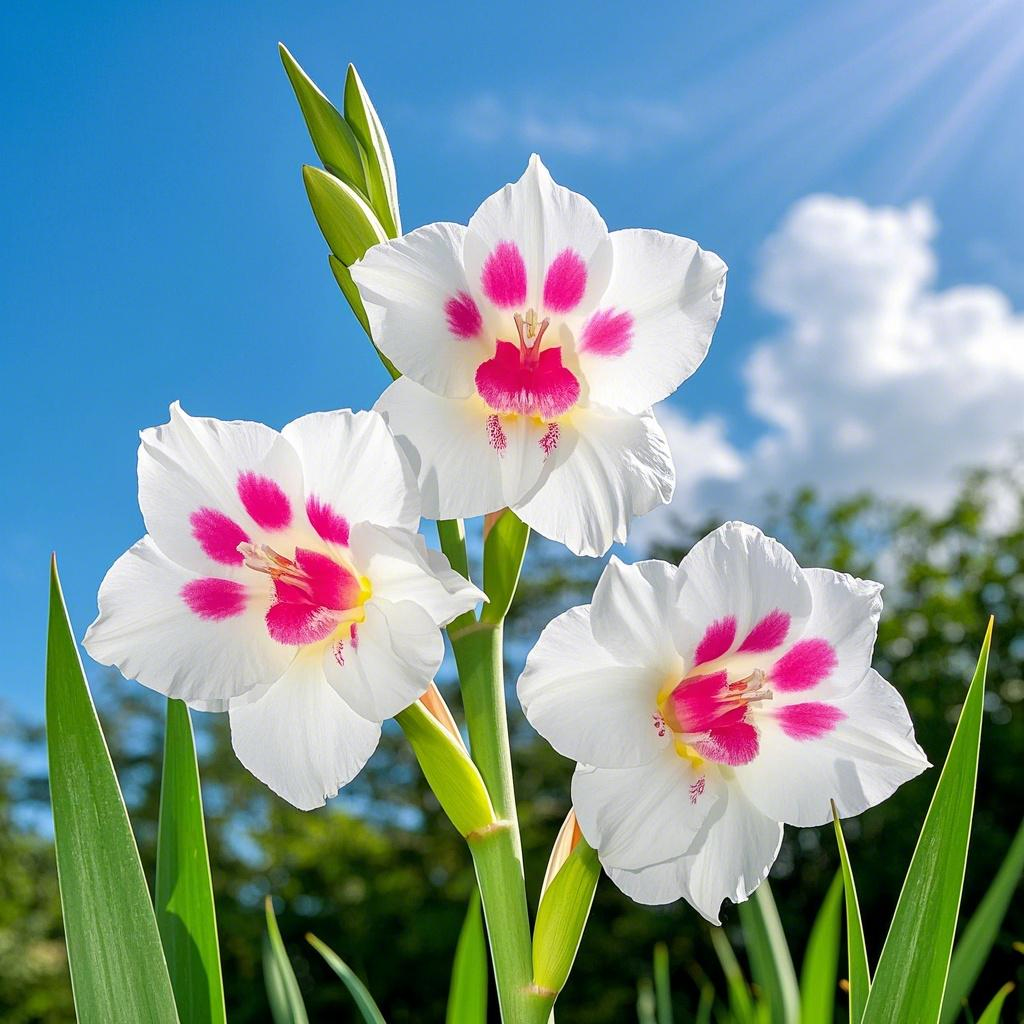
(400, 568)
(731, 857)
(406, 285)
(607, 468)
(845, 612)
(300, 738)
(148, 631)
(351, 462)
(633, 616)
(858, 763)
(542, 219)
(737, 572)
(672, 290)
(449, 443)
(586, 704)
(398, 649)
(192, 463)
(635, 817)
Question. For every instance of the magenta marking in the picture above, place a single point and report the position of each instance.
(768, 634)
(496, 435)
(353, 636)
(735, 745)
(503, 277)
(214, 599)
(309, 599)
(697, 790)
(541, 386)
(549, 442)
(464, 319)
(331, 525)
(299, 624)
(697, 703)
(338, 650)
(809, 721)
(607, 333)
(264, 501)
(804, 665)
(565, 283)
(218, 535)
(659, 723)
(717, 640)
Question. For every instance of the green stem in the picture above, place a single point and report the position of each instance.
(451, 535)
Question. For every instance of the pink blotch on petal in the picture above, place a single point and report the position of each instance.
(809, 721)
(565, 282)
(503, 277)
(264, 501)
(299, 624)
(734, 745)
(768, 634)
(496, 435)
(804, 665)
(331, 525)
(218, 535)
(464, 319)
(717, 640)
(214, 599)
(607, 333)
(510, 384)
(697, 703)
(307, 612)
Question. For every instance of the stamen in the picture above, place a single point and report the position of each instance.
(263, 558)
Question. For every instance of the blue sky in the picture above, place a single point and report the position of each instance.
(159, 244)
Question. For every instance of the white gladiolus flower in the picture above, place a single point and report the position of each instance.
(709, 703)
(281, 580)
(533, 343)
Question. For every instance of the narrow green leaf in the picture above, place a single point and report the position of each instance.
(662, 983)
(184, 891)
(820, 969)
(504, 550)
(118, 972)
(740, 1002)
(770, 961)
(707, 1001)
(645, 1005)
(286, 1005)
(991, 1013)
(380, 168)
(333, 138)
(857, 954)
(911, 975)
(978, 937)
(448, 769)
(348, 288)
(562, 915)
(359, 992)
(467, 996)
(348, 224)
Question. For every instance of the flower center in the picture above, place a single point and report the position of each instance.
(314, 595)
(524, 379)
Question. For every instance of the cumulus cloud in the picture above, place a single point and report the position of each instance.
(613, 129)
(876, 380)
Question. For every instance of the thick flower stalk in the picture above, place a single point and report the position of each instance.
(533, 343)
(281, 580)
(709, 703)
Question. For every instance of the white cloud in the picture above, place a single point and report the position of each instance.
(877, 379)
(613, 129)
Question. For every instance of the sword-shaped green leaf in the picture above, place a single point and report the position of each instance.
(184, 891)
(857, 954)
(820, 968)
(990, 1015)
(360, 993)
(118, 972)
(770, 962)
(911, 975)
(283, 993)
(467, 996)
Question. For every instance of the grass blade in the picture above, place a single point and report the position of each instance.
(359, 992)
(820, 969)
(770, 962)
(467, 996)
(707, 1001)
(286, 1005)
(991, 1013)
(740, 1002)
(859, 973)
(662, 984)
(118, 972)
(911, 975)
(645, 1005)
(185, 912)
(980, 934)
